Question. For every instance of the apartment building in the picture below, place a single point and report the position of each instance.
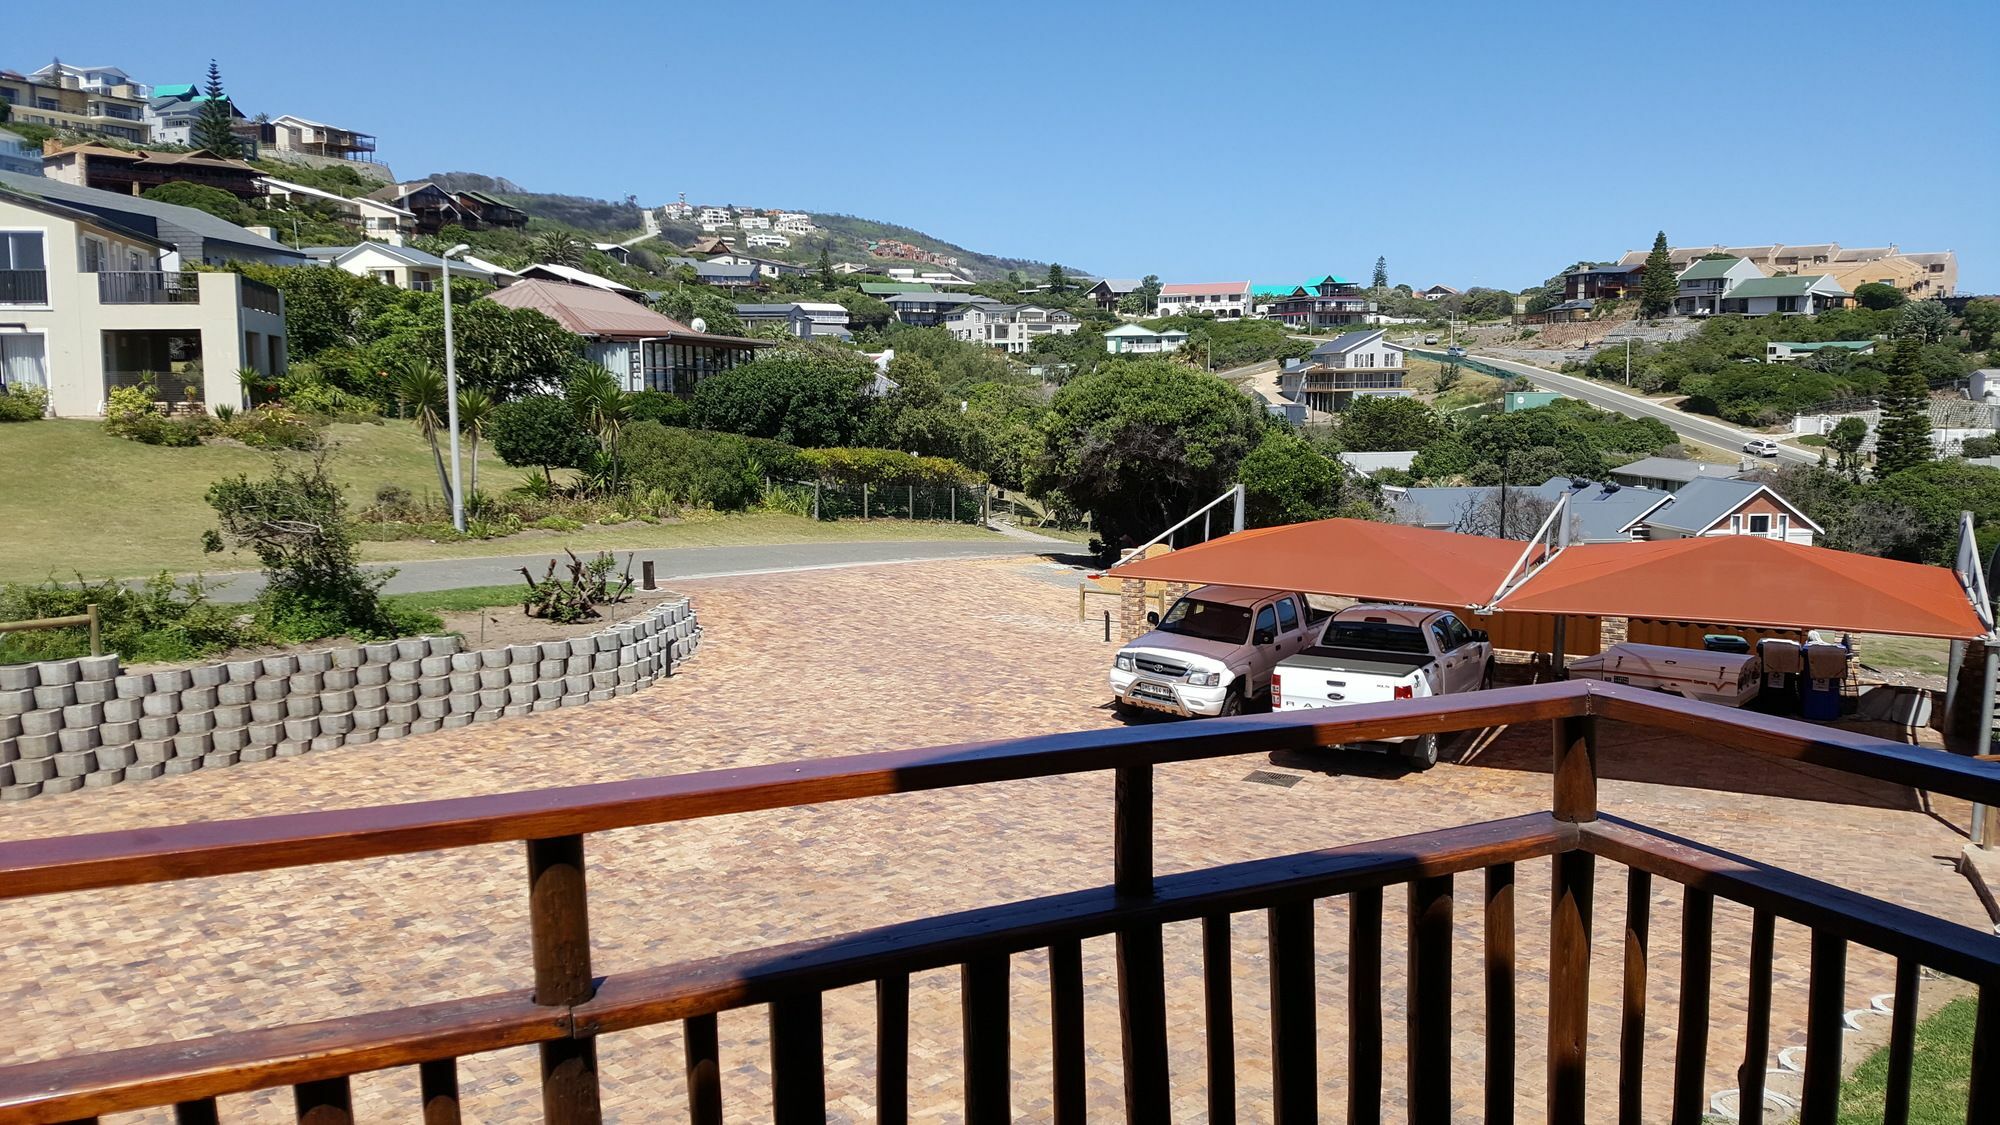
(794, 223)
(1010, 328)
(1355, 364)
(1225, 300)
(1920, 275)
(713, 216)
(61, 101)
(1330, 302)
(88, 303)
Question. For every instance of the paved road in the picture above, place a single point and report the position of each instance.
(1693, 427)
(672, 563)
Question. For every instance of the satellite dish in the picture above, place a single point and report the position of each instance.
(699, 325)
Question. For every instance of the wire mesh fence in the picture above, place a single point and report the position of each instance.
(924, 501)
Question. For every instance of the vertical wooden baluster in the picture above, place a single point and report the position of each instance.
(1219, 1009)
(702, 1052)
(1983, 1100)
(324, 1102)
(892, 1050)
(1575, 775)
(1632, 1029)
(983, 1016)
(1364, 1007)
(1500, 993)
(437, 1083)
(1691, 1051)
(1294, 1011)
(559, 923)
(1826, 1011)
(1756, 1024)
(1429, 1060)
(1142, 987)
(798, 1061)
(201, 1112)
(1902, 1045)
(1066, 1016)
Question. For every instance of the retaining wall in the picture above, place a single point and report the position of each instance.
(68, 724)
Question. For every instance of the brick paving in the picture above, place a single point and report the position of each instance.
(835, 662)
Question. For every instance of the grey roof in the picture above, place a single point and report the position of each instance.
(198, 235)
(715, 269)
(1117, 284)
(1699, 504)
(75, 214)
(1674, 469)
(1601, 513)
(411, 256)
(1348, 341)
(773, 309)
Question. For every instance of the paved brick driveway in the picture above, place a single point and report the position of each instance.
(837, 662)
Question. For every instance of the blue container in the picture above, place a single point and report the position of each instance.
(1819, 699)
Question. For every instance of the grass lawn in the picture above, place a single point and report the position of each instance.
(1940, 1072)
(463, 599)
(1904, 654)
(80, 500)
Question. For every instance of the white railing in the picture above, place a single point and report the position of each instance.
(1202, 513)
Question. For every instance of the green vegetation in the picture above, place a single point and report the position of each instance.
(1878, 295)
(1564, 438)
(462, 600)
(1903, 438)
(23, 402)
(1659, 284)
(215, 122)
(159, 621)
(1910, 515)
(1940, 1072)
(201, 197)
(1222, 344)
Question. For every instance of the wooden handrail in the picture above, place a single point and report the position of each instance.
(151, 855)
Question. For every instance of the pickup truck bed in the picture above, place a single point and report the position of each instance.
(1367, 661)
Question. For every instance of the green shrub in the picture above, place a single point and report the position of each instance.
(160, 621)
(24, 402)
(557, 523)
(296, 522)
(539, 431)
(327, 401)
(691, 468)
(274, 427)
(157, 429)
(884, 466)
(658, 406)
(124, 407)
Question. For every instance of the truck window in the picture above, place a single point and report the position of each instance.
(1443, 636)
(1266, 622)
(1456, 630)
(1382, 636)
(1209, 621)
(1288, 615)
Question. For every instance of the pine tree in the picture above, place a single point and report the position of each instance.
(214, 127)
(825, 265)
(1903, 436)
(1658, 287)
(1381, 280)
(1058, 281)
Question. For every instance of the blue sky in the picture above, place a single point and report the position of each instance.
(1471, 144)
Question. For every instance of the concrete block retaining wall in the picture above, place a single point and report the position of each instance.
(70, 724)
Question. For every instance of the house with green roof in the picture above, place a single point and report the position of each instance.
(1801, 296)
(1704, 284)
(1330, 302)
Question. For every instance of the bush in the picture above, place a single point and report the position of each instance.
(324, 400)
(296, 522)
(658, 406)
(161, 621)
(24, 402)
(804, 395)
(125, 406)
(157, 429)
(691, 468)
(274, 427)
(540, 431)
(884, 466)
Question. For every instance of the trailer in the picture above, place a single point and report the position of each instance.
(1727, 678)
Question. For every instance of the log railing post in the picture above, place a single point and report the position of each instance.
(438, 1082)
(559, 922)
(1500, 1020)
(1429, 1026)
(1142, 986)
(1575, 769)
(1575, 775)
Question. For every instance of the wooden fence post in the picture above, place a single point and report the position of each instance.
(559, 922)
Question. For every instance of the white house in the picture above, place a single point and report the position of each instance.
(1011, 328)
(717, 215)
(1793, 296)
(374, 218)
(1134, 339)
(404, 267)
(753, 222)
(1226, 300)
(1362, 363)
(804, 319)
(87, 304)
(794, 217)
(794, 224)
(1704, 284)
(766, 238)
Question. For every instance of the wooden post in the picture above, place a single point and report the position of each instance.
(1142, 999)
(646, 572)
(438, 1081)
(96, 630)
(1575, 776)
(1575, 770)
(559, 922)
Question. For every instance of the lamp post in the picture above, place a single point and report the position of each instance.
(451, 390)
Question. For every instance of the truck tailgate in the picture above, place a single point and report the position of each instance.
(1332, 677)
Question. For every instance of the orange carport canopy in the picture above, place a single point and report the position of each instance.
(1344, 558)
(1748, 580)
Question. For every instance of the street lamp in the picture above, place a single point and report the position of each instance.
(451, 389)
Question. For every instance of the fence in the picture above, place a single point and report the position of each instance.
(928, 502)
(87, 617)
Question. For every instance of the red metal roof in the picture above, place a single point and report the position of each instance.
(587, 311)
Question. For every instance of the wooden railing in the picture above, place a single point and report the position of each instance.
(569, 1007)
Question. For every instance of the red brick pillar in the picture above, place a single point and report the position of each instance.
(1131, 608)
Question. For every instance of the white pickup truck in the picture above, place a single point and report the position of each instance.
(1376, 653)
(1213, 651)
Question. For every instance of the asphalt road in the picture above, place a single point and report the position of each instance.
(669, 564)
(1693, 427)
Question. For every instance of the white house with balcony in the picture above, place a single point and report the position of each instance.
(1011, 328)
(766, 238)
(1137, 339)
(404, 267)
(753, 222)
(794, 223)
(1705, 283)
(1224, 300)
(1359, 364)
(88, 303)
(719, 216)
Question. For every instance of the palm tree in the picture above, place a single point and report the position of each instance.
(558, 247)
(474, 408)
(421, 389)
(603, 407)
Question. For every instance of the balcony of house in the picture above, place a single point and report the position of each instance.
(24, 287)
(1353, 379)
(148, 287)
(167, 361)
(1464, 958)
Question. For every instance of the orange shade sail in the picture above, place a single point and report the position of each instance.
(1750, 580)
(1344, 558)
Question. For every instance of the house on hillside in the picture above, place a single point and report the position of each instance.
(1330, 302)
(62, 101)
(372, 218)
(1010, 328)
(615, 251)
(1438, 293)
(570, 275)
(19, 155)
(1135, 339)
(713, 216)
(1791, 296)
(1602, 283)
(135, 173)
(929, 308)
(723, 275)
(1355, 364)
(1224, 300)
(404, 267)
(171, 112)
(293, 136)
(644, 349)
(765, 267)
(1110, 290)
(794, 223)
(485, 211)
(711, 246)
(196, 236)
(1615, 513)
(1669, 474)
(1919, 275)
(88, 303)
(1705, 284)
(437, 208)
(753, 222)
(767, 239)
(804, 319)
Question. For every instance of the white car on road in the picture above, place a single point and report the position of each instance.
(1761, 447)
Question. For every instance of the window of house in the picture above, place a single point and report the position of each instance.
(1735, 525)
(1784, 525)
(93, 255)
(23, 360)
(21, 250)
(1760, 525)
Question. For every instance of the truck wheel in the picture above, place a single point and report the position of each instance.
(1232, 703)
(1421, 753)
(1486, 678)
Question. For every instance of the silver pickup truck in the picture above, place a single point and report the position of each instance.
(1376, 653)
(1213, 651)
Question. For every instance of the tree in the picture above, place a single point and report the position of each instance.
(421, 390)
(296, 522)
(215, 123)
(1141, 443)
(558, 247)
(1482, 302)
(1878, 295)
(1144, 299)
(826, 276)
(1659, 285)
(602, 407)
(1285, 481)
(1381, 423)
(1058, 281)
(1845, 440)
(1981, 321)
(1903, 436)
(807, 394)
(1514, 514)
(687, 303)
(917, 417)
(539, 431)
(1927, 322)
(1381, 277)
(475, 410)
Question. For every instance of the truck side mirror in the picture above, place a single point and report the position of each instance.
(1481, 636)
(1264, 637)
(1152, 617)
